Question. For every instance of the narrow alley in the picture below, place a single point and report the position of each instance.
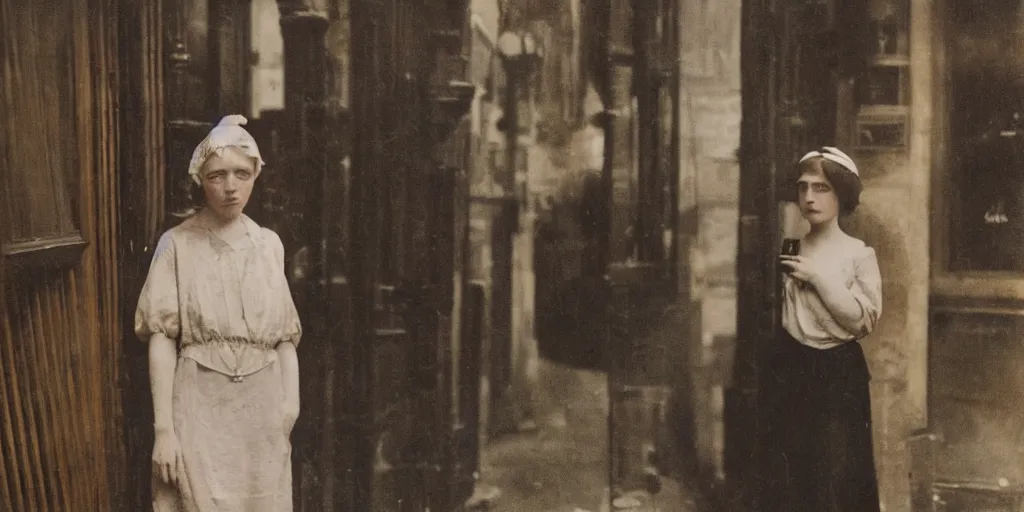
(562, 466)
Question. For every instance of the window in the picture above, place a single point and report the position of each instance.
(986, 119)
(40, 153)
(881, 94)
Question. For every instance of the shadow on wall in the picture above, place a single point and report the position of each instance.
(568, 288)
(885, 345)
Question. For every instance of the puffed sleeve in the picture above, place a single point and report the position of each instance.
(867, 290)
(157, 310)
(292, 326)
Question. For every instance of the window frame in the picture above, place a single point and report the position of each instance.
(946, 282)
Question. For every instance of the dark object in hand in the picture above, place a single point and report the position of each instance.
(790, 247)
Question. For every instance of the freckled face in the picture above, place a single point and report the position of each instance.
(818, 201)
(227, 179)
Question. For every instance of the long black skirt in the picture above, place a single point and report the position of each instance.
(817, 443)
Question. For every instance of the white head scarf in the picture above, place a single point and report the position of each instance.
(227, 134)
(833, 154)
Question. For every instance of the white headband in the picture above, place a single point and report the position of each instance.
(833, 154)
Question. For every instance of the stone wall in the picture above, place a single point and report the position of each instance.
(709, 203)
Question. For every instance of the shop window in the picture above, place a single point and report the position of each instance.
(40, 150)
(881, 93)
(986, 123)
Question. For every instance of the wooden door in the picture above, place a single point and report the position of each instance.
(406, 193)
(60, 428)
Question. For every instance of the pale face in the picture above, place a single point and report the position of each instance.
(227, 179)
(818, 201)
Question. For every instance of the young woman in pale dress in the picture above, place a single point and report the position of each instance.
(818, 441)
(222, 330)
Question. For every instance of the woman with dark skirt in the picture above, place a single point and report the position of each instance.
(818, 442)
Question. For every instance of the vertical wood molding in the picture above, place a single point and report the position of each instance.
(107, 243)
(8, 478)
(139, 195)
(86, 338)
(155, 115)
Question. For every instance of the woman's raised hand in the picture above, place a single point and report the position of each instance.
(801, 268)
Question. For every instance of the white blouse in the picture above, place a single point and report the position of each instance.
(805, 316)
(228, 307)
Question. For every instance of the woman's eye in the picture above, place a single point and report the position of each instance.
(243, 175)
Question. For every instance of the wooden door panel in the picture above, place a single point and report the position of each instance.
(402, 333)
(401, 214)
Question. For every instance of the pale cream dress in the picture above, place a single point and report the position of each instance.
(229, 308)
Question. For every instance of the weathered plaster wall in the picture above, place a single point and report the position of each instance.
(709, 197)
(894, 218)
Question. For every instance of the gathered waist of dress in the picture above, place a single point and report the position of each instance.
(234, 357)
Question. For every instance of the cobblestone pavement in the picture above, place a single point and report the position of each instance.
(563, 465)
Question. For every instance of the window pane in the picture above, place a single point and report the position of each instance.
(987, 123)
(40, 153)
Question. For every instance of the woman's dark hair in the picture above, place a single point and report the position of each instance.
(846, 184)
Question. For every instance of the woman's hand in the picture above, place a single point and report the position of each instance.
(801, 268)
(289, 383)
(291, 410)
(167, 460)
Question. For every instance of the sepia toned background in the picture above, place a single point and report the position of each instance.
(534, 282)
